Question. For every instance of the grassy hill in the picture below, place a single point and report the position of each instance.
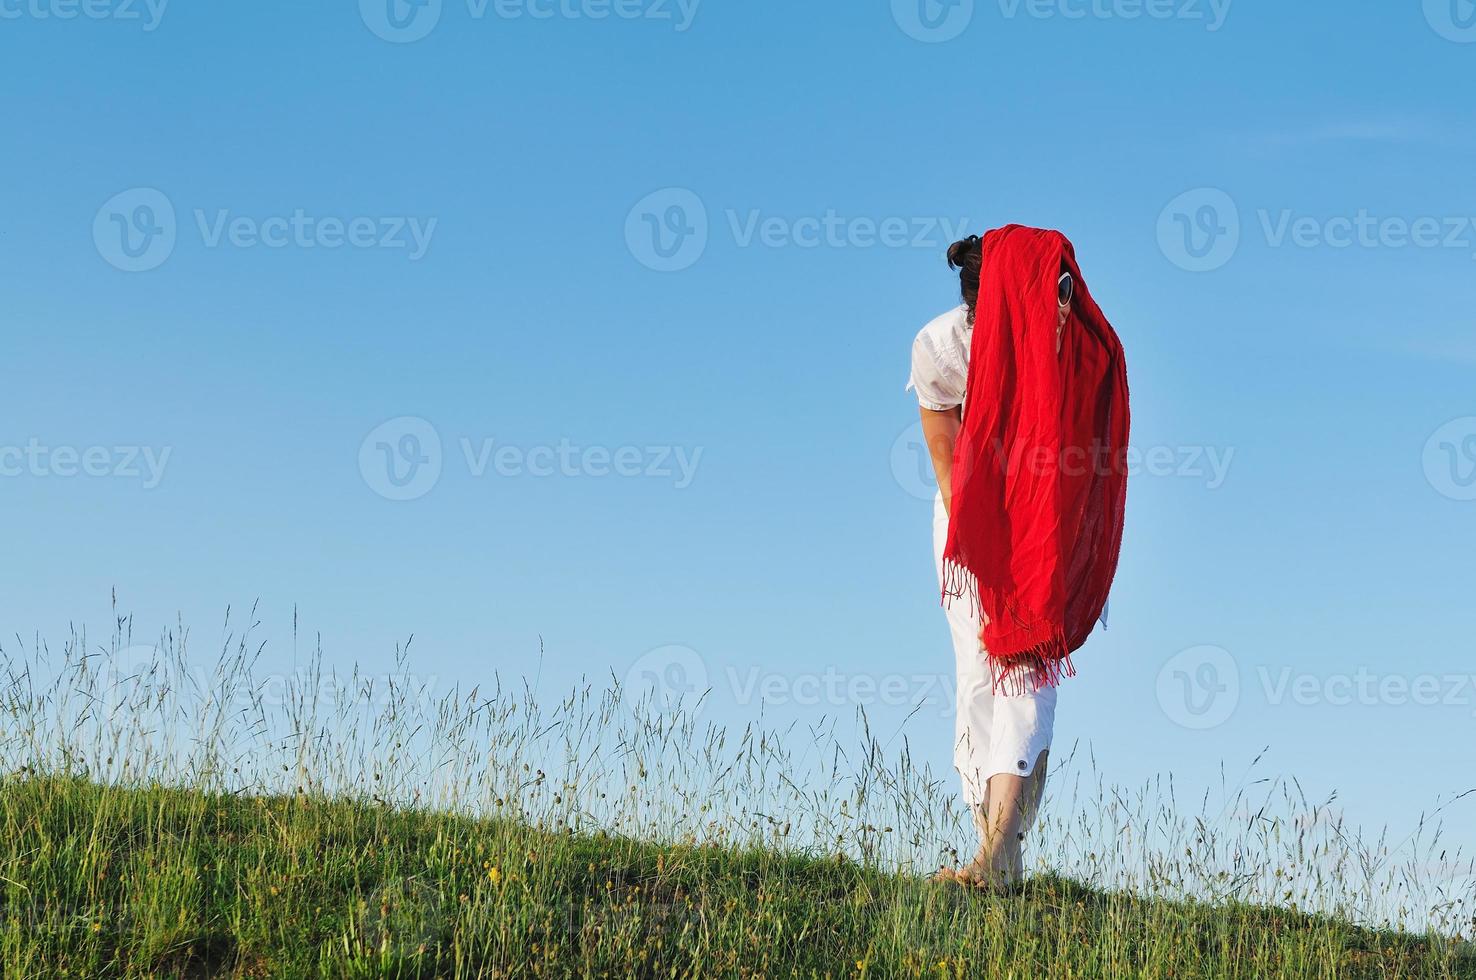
(102, 882)
(168, 813)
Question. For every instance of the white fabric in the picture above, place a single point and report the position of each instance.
(940, 360)
(994, 732)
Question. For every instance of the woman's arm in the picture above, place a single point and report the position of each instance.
(940, 432)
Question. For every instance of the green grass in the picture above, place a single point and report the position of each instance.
(158, 882)
(167, 815)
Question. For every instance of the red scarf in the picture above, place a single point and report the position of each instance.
(1039, 475)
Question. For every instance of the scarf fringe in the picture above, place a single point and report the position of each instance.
(1044, 665)
(959, 582)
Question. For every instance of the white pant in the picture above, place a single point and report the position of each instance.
(994, 732)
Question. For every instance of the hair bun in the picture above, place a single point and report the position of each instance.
(960, 252)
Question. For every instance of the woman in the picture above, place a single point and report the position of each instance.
(1025, 530)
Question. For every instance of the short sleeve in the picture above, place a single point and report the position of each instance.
(938, 382)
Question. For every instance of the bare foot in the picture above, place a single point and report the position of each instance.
(990, 874)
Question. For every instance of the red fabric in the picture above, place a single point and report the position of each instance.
(1039, 475)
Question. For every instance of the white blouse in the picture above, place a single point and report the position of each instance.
(940, 360)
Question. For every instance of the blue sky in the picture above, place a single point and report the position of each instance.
(636, 293)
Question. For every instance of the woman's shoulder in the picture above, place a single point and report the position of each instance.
(940, 360)
(945, 332)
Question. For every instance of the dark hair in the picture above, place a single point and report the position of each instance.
(966, 256)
